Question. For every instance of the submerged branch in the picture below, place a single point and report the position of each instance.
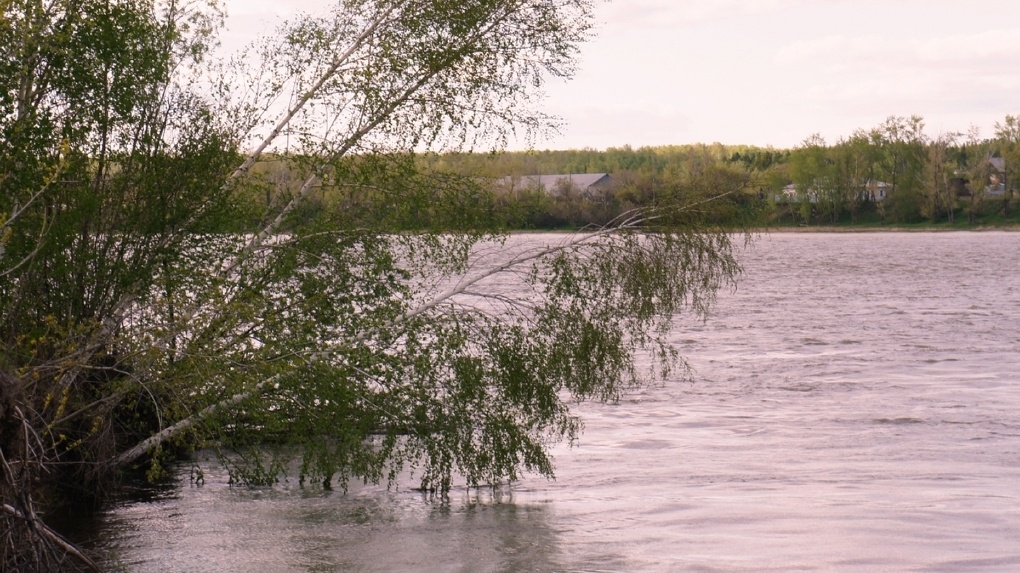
(36, 525)
(631, 221)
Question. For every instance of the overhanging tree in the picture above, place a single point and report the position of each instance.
(136, 314)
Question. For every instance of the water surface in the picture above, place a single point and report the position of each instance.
(856, 407)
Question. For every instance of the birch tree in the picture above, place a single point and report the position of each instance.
(902, 142)
(136, 317)
(979, 170)
(939, 195)
(811, 173)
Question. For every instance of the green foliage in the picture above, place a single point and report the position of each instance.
(182, 264)
(898, 173)
(104, 169)
(331, 295)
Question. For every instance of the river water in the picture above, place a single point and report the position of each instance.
(855, 407)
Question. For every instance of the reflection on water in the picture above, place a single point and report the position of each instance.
(856, 408)
(218, 528)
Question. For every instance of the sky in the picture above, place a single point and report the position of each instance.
(766, 72)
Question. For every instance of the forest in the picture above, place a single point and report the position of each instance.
(891, 175)
(946, 179)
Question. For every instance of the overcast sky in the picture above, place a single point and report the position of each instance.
(768, 72)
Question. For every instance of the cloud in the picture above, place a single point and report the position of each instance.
(959, 74)
(987, 50)
(614, 125)
(670, 13)
(275, 8)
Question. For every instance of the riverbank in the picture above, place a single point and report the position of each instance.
(915, 228)
(893, 229)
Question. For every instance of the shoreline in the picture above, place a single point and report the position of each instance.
(893, 229)
(824, 229)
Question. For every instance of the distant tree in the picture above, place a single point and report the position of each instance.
(1007, 136)
(978, 171)
(902, 143)
(937, 179)
(811, 171)
(856, 164)
(634, 189)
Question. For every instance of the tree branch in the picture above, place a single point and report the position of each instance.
(52, 536)
(137, 451)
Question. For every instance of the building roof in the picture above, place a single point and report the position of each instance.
(581, 181)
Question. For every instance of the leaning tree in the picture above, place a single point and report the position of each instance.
(165, 281)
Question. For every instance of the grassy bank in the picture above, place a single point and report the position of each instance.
(790, 218)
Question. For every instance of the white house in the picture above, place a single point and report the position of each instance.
(876, 191)
(872, 190)
(790, 194)
(787, 195)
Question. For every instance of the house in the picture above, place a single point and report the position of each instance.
(996, 186)
(870, 190)
(590, 184)
(989, 173)
(789, 194)
(876, 191)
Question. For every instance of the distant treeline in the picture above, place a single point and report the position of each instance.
(894, 173)
(463, 190)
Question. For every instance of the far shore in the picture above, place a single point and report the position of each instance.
(892, 229)
(822, 229)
